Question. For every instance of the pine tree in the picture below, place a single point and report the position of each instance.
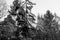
(14, 8)
(22, 18)
(50, 24)
(48, 17)
(30, 15)
(40, 23)
(47, 20)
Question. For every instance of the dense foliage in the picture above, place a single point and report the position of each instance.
(48, 26)
(18, 24)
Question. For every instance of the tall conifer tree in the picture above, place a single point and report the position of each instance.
(22, 17)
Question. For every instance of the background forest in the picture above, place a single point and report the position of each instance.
(20, 24)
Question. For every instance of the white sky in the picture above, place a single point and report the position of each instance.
(43, 5)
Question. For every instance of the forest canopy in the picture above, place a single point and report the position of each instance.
(18, 25)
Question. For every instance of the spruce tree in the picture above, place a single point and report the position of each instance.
(17, 10)
(48, 17)
(14, 8)
(40, 23)
(22, 18)
(30, 16)
(50, 24)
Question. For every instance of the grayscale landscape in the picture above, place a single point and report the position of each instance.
(19, 20)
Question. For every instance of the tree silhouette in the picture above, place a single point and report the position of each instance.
(22, 18)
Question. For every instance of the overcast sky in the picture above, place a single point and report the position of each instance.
(43, 5)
